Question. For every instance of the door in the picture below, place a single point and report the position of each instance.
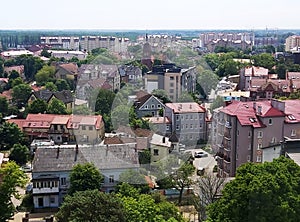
(41, 202)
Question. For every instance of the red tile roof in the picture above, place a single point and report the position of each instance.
(292, 111)
(247, 115)
(186, 107)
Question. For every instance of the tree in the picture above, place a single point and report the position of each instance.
(10, 134)
(51, 86)
(135, 179)
(91, 205)
(37, 106)
(104, 101)
(16, 81)
(31, 64)
(85, 177)
(218, 102)
(181, 178)
(81, 109)
(45, 53)
(265, 60)
(162, 95)
(11, 178)
(260, 192)
(20, 94)
(62, 84)
(210, 187)
(185, 97)
(44, 75)
(56, 106)
(19, 153)
(3, 105)
(207, 81)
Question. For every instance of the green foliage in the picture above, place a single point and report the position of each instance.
(13, 74)
(20, 94)
(3, 105)
(45, 53)
(145, 157)
(91, 205)
(56, 106)
(16, 81)
(19, 153)
(185, 97)
(46, 74)
(135, 179)
(218, 102)
(10, 134)
(207, 80)
(31, 64)
(85, 177)
(62, 84)
(51, 86)
(265, 60)
(11, 178)
(104, 101)
(261, 192)
(162, 95)
(37, 106)
(81, 110)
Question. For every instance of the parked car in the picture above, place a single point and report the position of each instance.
(26, 168)
(200, 154)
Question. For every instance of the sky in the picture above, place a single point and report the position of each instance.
(149, 15)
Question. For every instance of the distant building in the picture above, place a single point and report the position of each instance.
(68, 54)
(292, 43)
(14, 53)
(148, 105)
(61, 42)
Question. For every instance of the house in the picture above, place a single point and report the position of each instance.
(161, 147)
(188, 121)
(249, 73)
(160, 124)
(174, 80)
(52, 167)
(66, 71)
(130, 74)
(63, 128)
(65, 96)
(94, 71)
(85, 88)
(253, 131)
(148, 105)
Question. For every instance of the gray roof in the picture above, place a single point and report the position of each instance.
(104, 157)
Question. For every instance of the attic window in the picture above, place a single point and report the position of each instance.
(252, 120)
(291, 117)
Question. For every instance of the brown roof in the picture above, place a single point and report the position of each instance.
(72, 68)
(186, 107)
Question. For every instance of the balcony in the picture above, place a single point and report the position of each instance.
(45, 190)
(228, 124)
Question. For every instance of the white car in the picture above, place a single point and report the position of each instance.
(200, 154)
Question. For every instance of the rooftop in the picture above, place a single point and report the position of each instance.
(186, 107)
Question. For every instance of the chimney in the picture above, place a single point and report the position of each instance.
(76, 152)
(259, 108)
(57, 151)
(164, 139)
(254, 105)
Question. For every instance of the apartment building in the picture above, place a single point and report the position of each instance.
(188, 121)
(61, 42)
(114, 44)
(243, 130)
(292, 43)
(63, 128)
(174, 80)
(52, 167)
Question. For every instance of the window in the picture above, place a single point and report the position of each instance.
(171, 84)
(90, 128)
(158, 106)
(177, 127)
(83, 127)
(152, 106)
(155, 152)
(196, 116)
(249, 146)
(191, 116)
(191, 137)
(200, 125)
(171, 90)
(111, 179)
(258, 159)
(186, 116)
(248, 158)
(249, 134)
(293, 133)
(270, 121)
(63, 181)
(238, 133)
(259, 146)
(146, 106)
(191, 126)
(171, 77)
(52, 200)
(186, 126)
(273, 140)
(259, 134)
(177, 117)
(167, 127)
